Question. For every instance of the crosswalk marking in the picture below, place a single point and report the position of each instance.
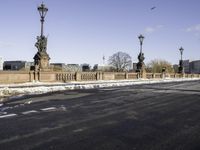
(29, 112)
(8, 115)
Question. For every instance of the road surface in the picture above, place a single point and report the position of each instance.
(140, 117)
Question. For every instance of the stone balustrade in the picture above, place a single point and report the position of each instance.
(64, 77)
(53, 76)
(88, 76)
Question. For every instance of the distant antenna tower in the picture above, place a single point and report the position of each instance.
(103, 59)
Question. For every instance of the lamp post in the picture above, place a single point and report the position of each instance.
(140, 64)
(41, 58)
(42, 11)
(181, 69)
(181, 51)
(141, 38)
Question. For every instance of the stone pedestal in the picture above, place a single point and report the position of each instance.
(42, 60)
(143, 72)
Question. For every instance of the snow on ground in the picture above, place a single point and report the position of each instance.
(30, 88)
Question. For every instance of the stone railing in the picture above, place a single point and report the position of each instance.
(149, 75)
(68, 76)
(88, 76)
(92, 76)
(53, 76)
(132, 76)
(120, 76)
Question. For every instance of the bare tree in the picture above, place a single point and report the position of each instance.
(158, 65)
(121, 61)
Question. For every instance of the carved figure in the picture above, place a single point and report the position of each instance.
(41, 43)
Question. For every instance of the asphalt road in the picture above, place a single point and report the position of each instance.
(140, 117)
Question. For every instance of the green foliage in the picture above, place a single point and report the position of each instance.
(158, 66)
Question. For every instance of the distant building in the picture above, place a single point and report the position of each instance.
(17, 65)
(175, 67)
(195, 66)
(85, 67)
(1, 63)
(189, 66)
(73, 68)
(58, 66)
(102, 67)
(66, 67)
(28, 65)
(186, 66)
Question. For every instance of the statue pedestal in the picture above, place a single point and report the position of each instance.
(141, 70)
(42, 60)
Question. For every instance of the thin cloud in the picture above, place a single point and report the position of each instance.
(149, 30)
(195, 30)
(153, 29)
(5, 44)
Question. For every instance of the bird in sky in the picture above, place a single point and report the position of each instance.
(152, 8)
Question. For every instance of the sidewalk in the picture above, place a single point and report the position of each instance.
(7, 90)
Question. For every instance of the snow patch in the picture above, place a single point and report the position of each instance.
(40, 88)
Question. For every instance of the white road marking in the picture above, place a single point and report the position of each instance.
(48, 109)
(80, 130)
(9, 115)
(5, 115)
(29, 112)
(29, 102)
(109, 89)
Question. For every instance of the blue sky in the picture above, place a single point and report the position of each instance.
(82, 31)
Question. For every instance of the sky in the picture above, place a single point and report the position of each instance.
(83, 31)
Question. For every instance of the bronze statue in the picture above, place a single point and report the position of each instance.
(41, 44)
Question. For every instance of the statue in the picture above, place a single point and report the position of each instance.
(140, 64)
(41, 43)
(41, 59)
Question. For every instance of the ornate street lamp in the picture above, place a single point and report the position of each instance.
(181, 69)
(141, 38)
(181, 51)
(41, 58)
(42, 11)
(140, 64)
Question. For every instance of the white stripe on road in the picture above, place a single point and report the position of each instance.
(4, 115)
(29, 112)
(9, 115)
(48, 109)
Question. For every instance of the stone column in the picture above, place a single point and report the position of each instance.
(126, 75)
(78, 76)
(99, 76)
